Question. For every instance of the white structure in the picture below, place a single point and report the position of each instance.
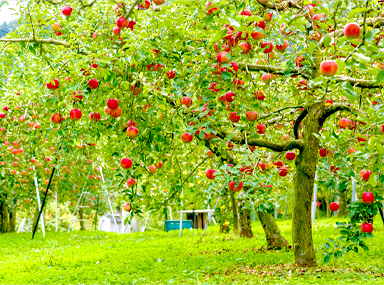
(210, 214)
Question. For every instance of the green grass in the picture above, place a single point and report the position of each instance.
(163, 258)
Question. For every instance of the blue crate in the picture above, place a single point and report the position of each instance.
(175, 225)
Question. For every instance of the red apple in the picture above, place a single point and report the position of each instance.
(344, 123)
(126, 163)
(127, 207)
(268, 17)
(352, 31)
(94, 117)
(267, 47)
(210, 154)
(323, 152)
(132, 132)
(233, 117)
(75, 114)
(67, 11)
(187, 101)
(328, 68)
(259, 95)
(251, 115)
(151, 169)
(93, 83)
(245, 47)
(112, 103)
(367, 228)
(53, 84)
(222, 57)
(186, 138)
(233, 184)
(131, 182)
(261, 128)
(210, 173)
(334, 206)
(302, 85)
(245, 12)
(368, 197)
(170, 74)
(56, 118)
(115, 113)
(290, 155)
(283, 171)
(283, 47)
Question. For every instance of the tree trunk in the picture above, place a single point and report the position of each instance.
(272, 233)
(245, 222)
(81, 217)
(5, 223)
(303, 247)
(343, 199)
(327, 204)
(12, 218)
(234, 213)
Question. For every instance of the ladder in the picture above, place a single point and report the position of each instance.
(79, 205)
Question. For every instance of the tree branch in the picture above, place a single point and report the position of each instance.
(131, 9)
(268, 68)
(330, 110)
(362, 83)
(299, 119)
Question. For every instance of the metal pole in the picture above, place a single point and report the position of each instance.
(77, 205)
(286, 209)
(39, 202)
(314, 199)
(56, 210)
(214, 209)
(109, 201)
(354, 195)
(275, 212)
(181, 223)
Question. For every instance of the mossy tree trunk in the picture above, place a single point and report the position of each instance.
(245, 221)
(272, 233)
(234, 213)
(81, 217)
(343, 200)
(5, 221)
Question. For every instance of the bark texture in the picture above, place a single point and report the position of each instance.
(245, 222)
(304, 250)
(81, 217)
(343, 201)
(5, 221)
(272, 233)
(234, 213)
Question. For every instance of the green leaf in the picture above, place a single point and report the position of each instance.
(327, 257)
(226, 75)
(341, 65)
(380, 76)
(233, 22)
(327, 40)
(318, 81)
(380, 148)
(361, 58)
(372, 180)
(183, 2)
(311, 48)
(218, 36)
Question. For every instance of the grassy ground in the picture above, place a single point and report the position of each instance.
(164, 258)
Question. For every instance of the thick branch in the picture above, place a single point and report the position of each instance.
(363, 83)
(330, 110)
(267, 68)
(279, 147)
(299, 119)
(282, 6)
(42, 41)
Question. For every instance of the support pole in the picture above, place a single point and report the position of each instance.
(354, 195)
(39, 204)
(109, 202)
(314, 201)
(42, 206)
(210, 215)
(181, 223)
(56, 210)
(275, 212)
